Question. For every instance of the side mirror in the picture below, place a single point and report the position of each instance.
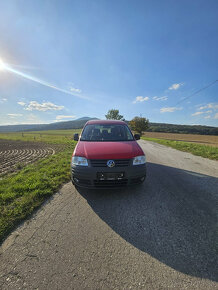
(76, 137)
(137, 136)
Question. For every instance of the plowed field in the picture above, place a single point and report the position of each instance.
(16, 154)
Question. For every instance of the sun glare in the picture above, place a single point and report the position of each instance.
(2, 65)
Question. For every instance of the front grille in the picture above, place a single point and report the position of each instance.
(103, 162)
(110, 183)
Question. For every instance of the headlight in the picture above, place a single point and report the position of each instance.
(138, 160)
(81, 161)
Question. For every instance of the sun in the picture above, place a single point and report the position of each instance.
(2, 65)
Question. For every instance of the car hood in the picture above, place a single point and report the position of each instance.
(108, 150)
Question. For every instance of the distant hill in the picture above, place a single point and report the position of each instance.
(183, 129)
(86, 118)
(74, 124)
(79, 123)
(19, 128)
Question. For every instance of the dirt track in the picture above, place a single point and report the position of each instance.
(162, 235)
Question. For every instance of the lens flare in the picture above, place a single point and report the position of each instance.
(2, 65)
(9, 68)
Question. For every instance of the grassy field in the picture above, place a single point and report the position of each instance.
(193, 138)
(206, 151)
(52, 136)
(26, 190)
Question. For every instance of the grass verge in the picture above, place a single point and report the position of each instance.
(20, 194)
(196, 149)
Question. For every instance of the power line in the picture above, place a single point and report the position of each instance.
(204, 88)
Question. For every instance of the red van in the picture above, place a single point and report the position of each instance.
(107, 155)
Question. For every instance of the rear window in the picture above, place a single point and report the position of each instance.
(108, 132)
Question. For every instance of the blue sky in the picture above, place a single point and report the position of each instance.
(61, 60)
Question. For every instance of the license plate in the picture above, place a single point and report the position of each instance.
(110, 176)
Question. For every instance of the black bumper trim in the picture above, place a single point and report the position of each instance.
(87, 176)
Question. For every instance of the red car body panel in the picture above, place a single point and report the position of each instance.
(108, 150)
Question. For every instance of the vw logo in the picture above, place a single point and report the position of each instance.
(110, 163)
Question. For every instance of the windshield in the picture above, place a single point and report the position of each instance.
(108, 132)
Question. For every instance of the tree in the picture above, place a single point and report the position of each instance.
(114, 115)
(139, 124)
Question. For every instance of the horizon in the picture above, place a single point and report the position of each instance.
(60, 61)
(91, 118)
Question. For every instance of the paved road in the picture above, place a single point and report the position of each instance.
(161, 235)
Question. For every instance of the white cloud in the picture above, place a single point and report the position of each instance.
(14, 115)
(213, 106)
(43, 107)
(175, 86)
(197, 113)
(62, 117)
(139, 99)
(76, 90)
(169, 109)
(3, 100)
(21, 103)
(164, 98)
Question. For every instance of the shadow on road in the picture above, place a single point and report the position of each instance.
(172, 217)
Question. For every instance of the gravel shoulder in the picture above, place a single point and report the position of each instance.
(161, 235)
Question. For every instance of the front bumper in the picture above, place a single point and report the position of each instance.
(87, 176)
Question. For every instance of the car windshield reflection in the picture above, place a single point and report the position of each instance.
(106, 132)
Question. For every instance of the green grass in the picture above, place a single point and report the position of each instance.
(51, 136)
(196, 149)
(26, 190)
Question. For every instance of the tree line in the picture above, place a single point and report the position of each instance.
(141, 124)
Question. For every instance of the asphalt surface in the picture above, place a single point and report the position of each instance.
(160, 235)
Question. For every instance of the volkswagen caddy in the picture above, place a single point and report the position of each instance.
(107, 155)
